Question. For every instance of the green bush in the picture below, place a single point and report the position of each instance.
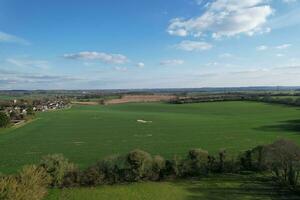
(4, 119)
(57, 167)
(139, 165)
(174, 167)
(197, 163)
(113, 168)
(30, 110)
(158, 166)
(30, 184)
(72, 179)
(92, 176)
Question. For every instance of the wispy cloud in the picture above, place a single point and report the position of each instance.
(279, 55)
(7, 38)
(262, 48)
(225, 18)
(283, 46)
(290, 18)
(289, 1)
(188, 45)
(28, 63)
(279, 47)
(226, 55)
(16, 80)
(172, 62)
(103, 57)
(140, 64)
(120, 69)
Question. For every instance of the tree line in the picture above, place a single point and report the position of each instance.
(280, 159)
(293, 100)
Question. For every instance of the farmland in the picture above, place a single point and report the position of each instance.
(85, 134)
(213, 188)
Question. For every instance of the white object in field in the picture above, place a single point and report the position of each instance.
(143, 121)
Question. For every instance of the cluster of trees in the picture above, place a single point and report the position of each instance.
(285, 100)
(282, 159)
(268, 98)
(207, 98)
(4, 119)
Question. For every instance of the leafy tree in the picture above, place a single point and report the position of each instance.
(196, 163)
(30, 110)
(158, 166)
(4, 119)
(140, 165)
(57, 167)
(92, 176)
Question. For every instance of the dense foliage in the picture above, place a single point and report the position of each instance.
(57, 167)
(292, 99)
(4, 119)
(30, 184)
(282, 159)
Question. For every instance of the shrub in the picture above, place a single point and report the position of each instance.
(246, 161)
(4, 119)
(158, 166)
(113, 168)
(139, 165)
(57, 167)
(92, 176)
(196, 163)
(72, 179)
(30, 110)
(30, 184)
(283, 158)
(222, 158)
(174, 167)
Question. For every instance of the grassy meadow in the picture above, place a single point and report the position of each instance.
(231, 187)
(85, 134)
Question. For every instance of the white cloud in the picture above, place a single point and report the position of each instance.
(262, 48)
(177, 31)
(4, 37)
(28, 63)
(279, 47)
(212, 64)
(225, 18)
(188, 45)
(140, 64)
(283, 46)
(279, 55)
(172, 62)
(121, 69)
(226, 55)
(104, 57)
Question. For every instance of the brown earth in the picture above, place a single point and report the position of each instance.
(139, 98)
(85, 102)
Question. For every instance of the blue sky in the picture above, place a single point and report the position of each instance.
(112, 44)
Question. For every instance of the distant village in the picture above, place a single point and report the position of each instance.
(19, 110)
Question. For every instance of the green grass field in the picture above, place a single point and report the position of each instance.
(228, 187)
(85, 134)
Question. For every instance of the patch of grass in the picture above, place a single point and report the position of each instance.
(86, 134)
(233, 187)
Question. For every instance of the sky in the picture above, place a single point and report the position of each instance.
(137, 44)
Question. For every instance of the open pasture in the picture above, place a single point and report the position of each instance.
(85, 134)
